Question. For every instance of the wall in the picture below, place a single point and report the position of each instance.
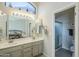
(45, 12)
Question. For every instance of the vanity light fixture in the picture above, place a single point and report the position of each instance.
(22, 15)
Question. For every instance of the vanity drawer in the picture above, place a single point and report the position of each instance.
(27, 45)
(7, 50)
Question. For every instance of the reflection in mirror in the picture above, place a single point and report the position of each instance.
(18, 27)
(21, 27)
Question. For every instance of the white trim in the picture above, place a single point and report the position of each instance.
(65, 8)
(76, 30)
(36, 15)
(76, 39)
(35, 7)
(53, 35)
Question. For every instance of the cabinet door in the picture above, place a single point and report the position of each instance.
(16, 53)
(40, 49)
(27, 52)
(35, 50)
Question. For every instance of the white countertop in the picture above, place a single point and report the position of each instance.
(16, 42)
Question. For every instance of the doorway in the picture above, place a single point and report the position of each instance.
(64, 33)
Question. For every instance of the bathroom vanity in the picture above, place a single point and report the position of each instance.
(25, 47)
(21, 35)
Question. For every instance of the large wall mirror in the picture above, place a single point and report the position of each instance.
(19, 27)
(15, 27)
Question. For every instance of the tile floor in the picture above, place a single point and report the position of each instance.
(63, 53)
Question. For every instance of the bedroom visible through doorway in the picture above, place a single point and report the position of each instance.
(64, 33)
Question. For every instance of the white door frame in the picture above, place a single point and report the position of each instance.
(76, 26)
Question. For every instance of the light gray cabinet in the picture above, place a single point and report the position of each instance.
(16, 53)
(35, 50)
(25, 50)
(11, 52)
(4, 53)
(41, 47)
